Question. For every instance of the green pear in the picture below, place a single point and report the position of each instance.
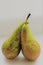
(30, 47)
(11, 47)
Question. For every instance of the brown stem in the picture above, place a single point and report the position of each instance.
(28, 16)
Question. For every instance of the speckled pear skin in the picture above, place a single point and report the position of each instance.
(30, 47)
(11, 47)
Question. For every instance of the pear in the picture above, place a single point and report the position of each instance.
(11, 47)
(30, 47)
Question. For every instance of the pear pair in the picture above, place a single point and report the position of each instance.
(21, 38)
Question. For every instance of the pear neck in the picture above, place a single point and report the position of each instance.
(29, 33)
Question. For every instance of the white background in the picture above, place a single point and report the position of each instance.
(20, 8)
(14, 11)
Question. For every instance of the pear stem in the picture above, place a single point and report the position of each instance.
(28, 17)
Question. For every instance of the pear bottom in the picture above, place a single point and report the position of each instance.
(29, 52)
(10, 54)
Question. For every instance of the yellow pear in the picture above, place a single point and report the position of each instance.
(30, 47)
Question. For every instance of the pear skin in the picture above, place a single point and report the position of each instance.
(11, 47)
